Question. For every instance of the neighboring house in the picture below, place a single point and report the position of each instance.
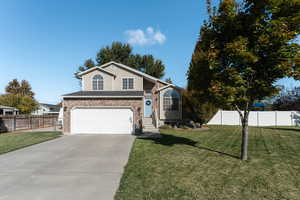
(6, 110)
(47, 109)
(118, 99)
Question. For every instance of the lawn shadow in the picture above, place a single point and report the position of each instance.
(170, 140)
(282, 129)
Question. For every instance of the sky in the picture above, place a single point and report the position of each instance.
(44, 42)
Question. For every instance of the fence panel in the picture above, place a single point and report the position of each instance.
(257, 118)
(9, 123)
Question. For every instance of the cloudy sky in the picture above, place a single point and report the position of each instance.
(45, 41)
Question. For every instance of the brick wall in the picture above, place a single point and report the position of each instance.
(135, 104)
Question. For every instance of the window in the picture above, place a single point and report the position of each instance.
(171, 100)
(127, 83)
(98, 82)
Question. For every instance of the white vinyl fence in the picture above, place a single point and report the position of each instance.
(257, 118)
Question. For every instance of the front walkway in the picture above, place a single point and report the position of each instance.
(71, 167)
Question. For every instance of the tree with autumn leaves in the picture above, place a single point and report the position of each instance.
(19, 95)
(243, 49)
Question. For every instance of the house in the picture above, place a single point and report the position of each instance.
(47, 109)
(117, 99)
(6, 110)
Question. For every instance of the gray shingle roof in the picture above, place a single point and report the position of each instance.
(106, 94)
(52, 108)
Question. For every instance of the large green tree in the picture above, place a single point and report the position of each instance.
(22, 88)
(243, 49)
(122, 53)
(19, 95)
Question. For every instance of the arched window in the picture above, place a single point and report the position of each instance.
(171, 100)
(98, 82)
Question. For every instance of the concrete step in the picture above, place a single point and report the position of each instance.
(149, 125)
(147, 120)
(150, 130)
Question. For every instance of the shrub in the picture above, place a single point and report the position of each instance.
(196, 108)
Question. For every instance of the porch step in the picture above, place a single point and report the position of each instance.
(147, 120)
(150, 130)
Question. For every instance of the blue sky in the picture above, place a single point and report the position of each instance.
(45, 41)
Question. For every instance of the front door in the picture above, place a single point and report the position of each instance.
(147, 107)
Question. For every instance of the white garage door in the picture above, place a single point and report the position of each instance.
(101, 121)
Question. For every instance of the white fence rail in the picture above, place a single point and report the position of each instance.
(257, 118)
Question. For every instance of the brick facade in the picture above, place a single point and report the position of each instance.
(136, 104)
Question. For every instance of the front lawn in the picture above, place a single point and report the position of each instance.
(205, 165)
(12, 141)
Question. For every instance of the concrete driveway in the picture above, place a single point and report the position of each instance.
(71, 167)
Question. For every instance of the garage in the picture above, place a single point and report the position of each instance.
(101, 120)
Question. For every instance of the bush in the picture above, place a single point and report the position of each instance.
(196, 108)
(164, 127)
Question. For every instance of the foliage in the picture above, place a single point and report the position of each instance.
(169, 80)
(243, 50)
(197, 108)
(22, 88)
(26, 104)
(19, 95)
(286, 104)
(122, 53)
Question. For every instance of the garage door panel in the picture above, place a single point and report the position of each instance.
(101, 121)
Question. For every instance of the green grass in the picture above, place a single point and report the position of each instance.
(205, 165)
(13, 141)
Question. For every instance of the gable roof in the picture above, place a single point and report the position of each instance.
(92, 69)
(170, 85)
(53, 108)
(102, 67)
(8, 107)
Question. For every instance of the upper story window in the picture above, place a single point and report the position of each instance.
(171, 100)
(127, 83)
(97, 82)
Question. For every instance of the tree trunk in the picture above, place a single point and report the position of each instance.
(244, 146)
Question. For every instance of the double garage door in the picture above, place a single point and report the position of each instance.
(101, 121)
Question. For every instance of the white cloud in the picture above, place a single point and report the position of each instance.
(148, 37)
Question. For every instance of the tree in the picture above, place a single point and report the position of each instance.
(284, 104)
(26, 104)
(169, 80)
(243, 49)
(19, 95)
(23, 88)
(117, 52)
(89, 63)
(122, 53)
(13, 87)
(197, 108)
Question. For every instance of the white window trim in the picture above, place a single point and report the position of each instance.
(171, 100)
(128, 83)
(98, 83)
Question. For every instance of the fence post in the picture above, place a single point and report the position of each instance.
(14, 123)
(221, 117)
(257, 118)
(275, 118)
(30, 122)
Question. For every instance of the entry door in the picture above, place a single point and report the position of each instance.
(147, 107)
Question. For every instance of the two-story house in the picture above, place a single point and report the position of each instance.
(117, 99)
